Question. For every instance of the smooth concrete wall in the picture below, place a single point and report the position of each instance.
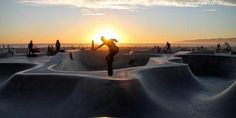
(8, 69)
(211, 65)
(95, 60)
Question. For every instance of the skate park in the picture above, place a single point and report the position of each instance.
(117, 59)
(185, 85)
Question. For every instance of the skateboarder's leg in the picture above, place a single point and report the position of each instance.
(110, 70)
(110, 59)
(109, 65)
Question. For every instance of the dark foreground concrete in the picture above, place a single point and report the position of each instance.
(154, 88)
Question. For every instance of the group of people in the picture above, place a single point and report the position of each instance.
(167, 48)
(51, 51)
(10, 50)
(110, 43)
(226, 46)
(32, 50)
(113, 50)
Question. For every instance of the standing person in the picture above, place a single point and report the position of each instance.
(58, 46)
(158, 49)
(168, 49)
(218, 46)
(132, 60)
(92, 46)
(30, 48)
(113, 50)
(52, 50)
(49, 50)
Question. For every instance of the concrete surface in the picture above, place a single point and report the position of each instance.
(196, 86)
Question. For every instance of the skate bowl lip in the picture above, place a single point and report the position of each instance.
(19, 70)
(33, 65)
(48, 68)
(122, 55)
(164, 61)
(216, 65)
(93, 74)
(102, 74)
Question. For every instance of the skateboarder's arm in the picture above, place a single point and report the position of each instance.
(114, 40)
(99, 46)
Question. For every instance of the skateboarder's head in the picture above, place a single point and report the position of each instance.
(103, 39)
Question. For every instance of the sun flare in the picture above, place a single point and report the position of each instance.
(107, 33)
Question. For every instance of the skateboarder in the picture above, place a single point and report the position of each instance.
(168, 49)
(113, 50)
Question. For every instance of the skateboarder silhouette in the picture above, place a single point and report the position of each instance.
(168, 49)
(113, 50)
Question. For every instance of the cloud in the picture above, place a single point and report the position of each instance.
(209, 10)
(129, 4)
(88, 12)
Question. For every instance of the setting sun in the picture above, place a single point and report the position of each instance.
(107, 33)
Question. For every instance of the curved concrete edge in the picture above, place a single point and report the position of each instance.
(140, 99)
(211, 65)
(174, 71)
(153, 61)
(165, 89)
(16, 68)
(49, 67)
(93, 61)
(114, 98)
(177, 83)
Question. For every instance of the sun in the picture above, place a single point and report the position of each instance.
(107, 33)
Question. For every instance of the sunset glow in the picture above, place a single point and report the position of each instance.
(135, 21)
(107, 33)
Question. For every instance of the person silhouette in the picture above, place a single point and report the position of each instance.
(113, 50)
(30, 48)
(92, 46)
(132, 57)
(52, 50)
(58, 46)
(49, 50)
(218, 46)
(168, 49)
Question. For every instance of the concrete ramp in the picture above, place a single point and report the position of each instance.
(8, 69)
(221, 105)
(157, 87)
(55, 96)
(173, 87)
(95, 60)
(211, 65)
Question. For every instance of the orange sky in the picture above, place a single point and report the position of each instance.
(45, 23)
